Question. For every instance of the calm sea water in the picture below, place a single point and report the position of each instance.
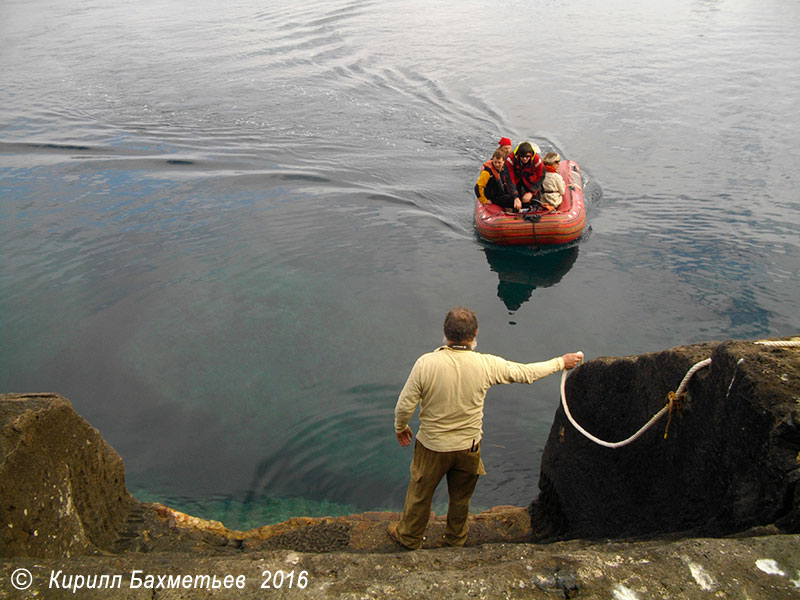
(227, 230)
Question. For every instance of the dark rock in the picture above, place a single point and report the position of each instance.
(62, 486)
(730, 461)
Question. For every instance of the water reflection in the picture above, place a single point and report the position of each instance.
(522, 270)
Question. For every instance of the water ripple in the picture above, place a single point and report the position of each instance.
(270, 206)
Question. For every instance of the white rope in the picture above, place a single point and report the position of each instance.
(681, 389)
(695, 368)
(779, 343)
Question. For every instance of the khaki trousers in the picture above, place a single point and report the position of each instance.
(462, 468)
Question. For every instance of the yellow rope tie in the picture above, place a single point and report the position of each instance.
(675, 404)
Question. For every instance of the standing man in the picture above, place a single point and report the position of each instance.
(450, 385)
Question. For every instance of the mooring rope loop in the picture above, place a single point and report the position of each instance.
(675, 400)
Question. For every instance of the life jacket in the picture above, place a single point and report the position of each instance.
(496, 186)
(527, 177)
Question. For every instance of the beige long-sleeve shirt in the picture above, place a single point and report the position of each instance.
(450, 386)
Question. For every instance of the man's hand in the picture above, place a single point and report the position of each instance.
(517, 204)
(572, 360)
(405, 436)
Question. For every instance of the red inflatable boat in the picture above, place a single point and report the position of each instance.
(563, 225)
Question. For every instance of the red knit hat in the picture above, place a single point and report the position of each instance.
(505, 142)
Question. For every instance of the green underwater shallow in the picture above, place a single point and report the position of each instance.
(248, 514)
(243, 515)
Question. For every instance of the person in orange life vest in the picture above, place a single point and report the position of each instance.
(494, 185)
(553, 186)
(505, 146)
(526, 169)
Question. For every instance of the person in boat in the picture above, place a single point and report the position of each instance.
(526, 170)
(494, 184)
(553, 186)
(505, 145)
(449, 385)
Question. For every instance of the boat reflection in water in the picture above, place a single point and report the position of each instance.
(522, 271)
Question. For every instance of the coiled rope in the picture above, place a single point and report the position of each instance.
(675, 399)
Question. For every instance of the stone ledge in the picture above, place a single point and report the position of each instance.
(751, 567)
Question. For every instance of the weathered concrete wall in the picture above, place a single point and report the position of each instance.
(731, 460)
(62, 487)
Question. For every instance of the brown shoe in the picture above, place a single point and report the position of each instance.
(392, 531)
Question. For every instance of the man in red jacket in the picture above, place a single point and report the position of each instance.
(526, 169)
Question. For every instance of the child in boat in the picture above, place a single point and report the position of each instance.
(494, 185)
(553, 186)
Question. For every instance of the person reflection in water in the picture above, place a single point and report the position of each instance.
(494, 184)
(449, 385)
